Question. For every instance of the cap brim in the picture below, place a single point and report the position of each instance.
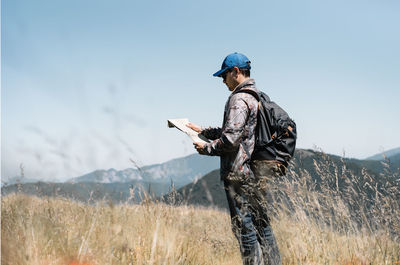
(220, 72)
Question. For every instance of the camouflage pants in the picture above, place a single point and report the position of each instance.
(247, 199)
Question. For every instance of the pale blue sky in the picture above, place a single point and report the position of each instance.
(90, 84)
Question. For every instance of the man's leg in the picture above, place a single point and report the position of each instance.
(242, 224)
(259, 203)
(268, 244)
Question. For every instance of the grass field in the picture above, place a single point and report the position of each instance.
(313, 225)
(58, 231)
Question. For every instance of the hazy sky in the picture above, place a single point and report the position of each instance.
(90, 84)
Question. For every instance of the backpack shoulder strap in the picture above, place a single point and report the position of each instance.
(251, 92)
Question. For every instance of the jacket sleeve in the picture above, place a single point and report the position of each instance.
(212, 133)
(231, 135)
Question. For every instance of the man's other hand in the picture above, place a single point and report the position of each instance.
(194, 127)
(199, 147)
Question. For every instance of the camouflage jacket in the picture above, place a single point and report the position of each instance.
(234, 142)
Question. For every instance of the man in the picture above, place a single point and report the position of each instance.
(243, 178)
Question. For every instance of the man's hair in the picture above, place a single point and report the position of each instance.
(245, 72)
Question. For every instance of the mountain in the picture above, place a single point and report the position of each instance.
(207, 191)
(332, 172)
(395, 152)
(118, 186)
(181, 179)
(181, 171)
(16, 180)
(89, 192)
(109, 176)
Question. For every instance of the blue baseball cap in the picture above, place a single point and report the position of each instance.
(234, 59)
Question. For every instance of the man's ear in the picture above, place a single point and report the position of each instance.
(236, 69)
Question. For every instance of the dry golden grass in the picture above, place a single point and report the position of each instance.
(308, 242)
(313, 225)
(58, 231)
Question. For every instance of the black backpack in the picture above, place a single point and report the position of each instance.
(275, 131)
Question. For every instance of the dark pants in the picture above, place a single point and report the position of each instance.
(250, 221)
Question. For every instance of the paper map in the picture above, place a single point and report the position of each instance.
(180, 124)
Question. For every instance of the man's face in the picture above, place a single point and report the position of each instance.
(229, 80)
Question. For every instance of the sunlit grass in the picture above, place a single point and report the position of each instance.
(314, 224)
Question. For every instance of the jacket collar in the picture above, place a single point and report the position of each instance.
(248, 82)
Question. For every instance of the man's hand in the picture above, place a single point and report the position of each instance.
(199, 147)
(194, 127)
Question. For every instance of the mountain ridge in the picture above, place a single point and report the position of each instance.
(180, 170)
(208, 191)
(385, 154)
(188, 173)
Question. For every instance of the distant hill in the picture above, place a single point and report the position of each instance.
(89, 192)
(192, 179)
(180, 171)
(395, 152)
(17, 179)
(321, 169)
(117, 186)
(208, 191)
